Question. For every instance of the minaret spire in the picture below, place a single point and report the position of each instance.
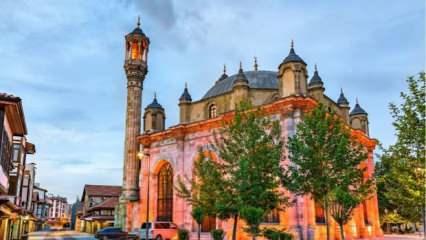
(255, 64)
(139, 21)
(224, 68)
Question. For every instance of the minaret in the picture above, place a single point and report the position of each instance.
(135, 66)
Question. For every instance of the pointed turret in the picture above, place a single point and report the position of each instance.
(154, 117)
(359, 118)
(316, 81)
(185, 101)
(292, 75)
(292, 56)
(343, 105)
(342, 101)
(316, 86)
(185, 97)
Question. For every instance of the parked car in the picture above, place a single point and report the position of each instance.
(111, 233)
(158, 230)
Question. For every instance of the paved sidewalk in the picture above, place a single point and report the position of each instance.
(404, 237)
(59, 235)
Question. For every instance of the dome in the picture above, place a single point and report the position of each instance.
(342, 99)
(185, 97)
(154, 104)
(316, 79)
(256, 79)
(358, 110)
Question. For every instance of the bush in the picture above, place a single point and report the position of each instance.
(218, 234)
(183, 234)
(274, 234)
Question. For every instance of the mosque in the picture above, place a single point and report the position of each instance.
(155, 157)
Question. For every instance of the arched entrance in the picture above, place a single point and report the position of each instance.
(165, 193)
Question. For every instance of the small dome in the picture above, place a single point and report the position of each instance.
(316, 79)
(342, 99)
(185, 95)
(292, 56)
(358, 110)
(154, 104)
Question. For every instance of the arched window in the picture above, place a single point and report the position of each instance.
(212, 111)
(165, 194)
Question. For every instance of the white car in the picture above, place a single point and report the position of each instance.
(159, 230)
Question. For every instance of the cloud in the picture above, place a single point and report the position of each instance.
(65, 60)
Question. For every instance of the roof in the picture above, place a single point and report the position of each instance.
(316, 79)
(293, 57)
(256, 79)
(342, 99)
(9, 97)
(109, 203)
(358, 110)
(14, 109)
(185, 95)
(154, 104)
(101, 190)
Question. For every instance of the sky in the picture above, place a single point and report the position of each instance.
(65, 60)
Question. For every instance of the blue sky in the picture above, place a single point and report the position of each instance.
(65, 60)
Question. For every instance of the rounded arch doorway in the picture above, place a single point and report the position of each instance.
(165, 193)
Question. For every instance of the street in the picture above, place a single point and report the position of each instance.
(60, 235)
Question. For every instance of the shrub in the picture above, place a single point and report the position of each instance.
(274, 234)
(183, 234)
(218, 234)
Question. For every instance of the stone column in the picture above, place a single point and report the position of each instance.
(135, 72)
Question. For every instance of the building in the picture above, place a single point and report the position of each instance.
(154, 159)
(40, 206)
(59, 212)
(14, 149)
(99, 202)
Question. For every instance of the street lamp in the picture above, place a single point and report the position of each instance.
(141, 155)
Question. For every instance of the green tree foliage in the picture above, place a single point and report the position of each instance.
(247, 176)
(250, 148)
(401, 171)
(198, 215)
(323, 159)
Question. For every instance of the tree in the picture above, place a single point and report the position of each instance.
(250, 149)
(344, 200)
(198, 215)
(205, 186)
(244, 181)
(323, 159)
(401, 175)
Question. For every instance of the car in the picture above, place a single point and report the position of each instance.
(111, 233)
(158, 230)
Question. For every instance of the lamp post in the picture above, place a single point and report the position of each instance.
(141, 155)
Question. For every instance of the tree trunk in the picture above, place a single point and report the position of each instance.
(327, 222)
(234, 228)
(342, 232)
(424, 221)
(199, 231)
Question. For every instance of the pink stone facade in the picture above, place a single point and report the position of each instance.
(180, 152)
